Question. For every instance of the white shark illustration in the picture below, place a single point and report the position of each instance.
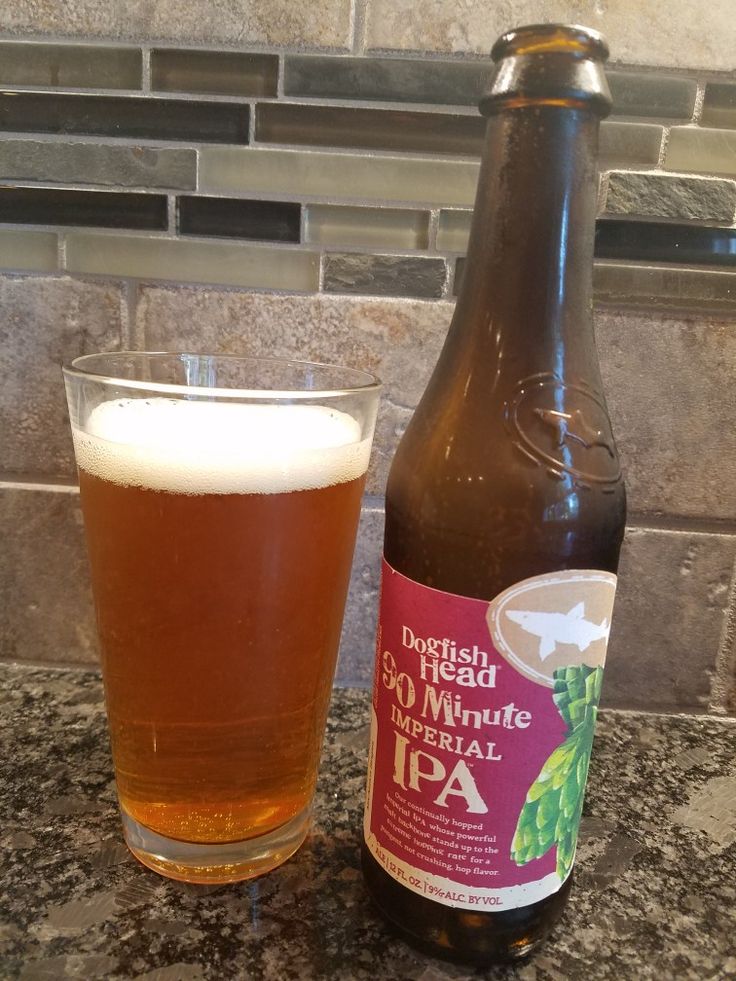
(560, 628)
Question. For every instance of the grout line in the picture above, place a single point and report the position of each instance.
(603, 181)
(130, 300)
(663, 147)
(65, 41)
(61, 665)
(61, 251)
(321, 277)
(358, 18)
(653, 708)
(724, 677)
(699, 103)
(165, 95)
(433, 229)
(171, 214)
(369, 102)
(607, 712)
(280, 76)
(251, 123)
(146, 71)
(303, 222)
(373, 502)
(642, 521)
(91, 90)
(446, 293)
(38, 483)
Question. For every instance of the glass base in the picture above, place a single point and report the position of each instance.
(231, 861)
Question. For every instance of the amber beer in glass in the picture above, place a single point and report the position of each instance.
(220, 499)
(505, 513)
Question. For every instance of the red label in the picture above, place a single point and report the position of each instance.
(483, 716)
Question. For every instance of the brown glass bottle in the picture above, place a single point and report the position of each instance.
(508, 468)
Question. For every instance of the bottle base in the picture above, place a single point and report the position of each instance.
(447, 952)
(217, 863)
(458, 935)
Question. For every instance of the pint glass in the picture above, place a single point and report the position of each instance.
(221, 499)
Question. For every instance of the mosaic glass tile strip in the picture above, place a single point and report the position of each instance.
(102, 209)
(82, 66)
(709, 151)
(391, 79)
(87, 162)
(383, 275)
(214, 72)
(719, 105)
(383, 227)
(276, 221)
(28, 250)
(338, 175)
(373, 129)
(187, 260)
(144, 119)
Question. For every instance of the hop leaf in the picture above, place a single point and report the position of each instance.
(554, 802)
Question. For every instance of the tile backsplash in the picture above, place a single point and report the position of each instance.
(297, 181)
(355, 150)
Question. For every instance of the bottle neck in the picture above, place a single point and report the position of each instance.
(526, 295)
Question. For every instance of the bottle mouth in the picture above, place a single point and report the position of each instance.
(571, 39)
(555, 65)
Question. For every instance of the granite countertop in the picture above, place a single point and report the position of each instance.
(654, 898)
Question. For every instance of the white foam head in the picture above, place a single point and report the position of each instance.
(197, 447)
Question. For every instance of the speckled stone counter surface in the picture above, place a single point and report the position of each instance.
(656, 880)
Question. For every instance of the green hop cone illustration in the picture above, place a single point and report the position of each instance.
(554, 803)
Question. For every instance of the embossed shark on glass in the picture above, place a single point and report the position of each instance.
(505, 512)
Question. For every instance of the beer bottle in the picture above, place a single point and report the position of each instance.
(505, 512)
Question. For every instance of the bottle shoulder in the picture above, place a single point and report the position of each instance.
(468, 510)
(504, 453)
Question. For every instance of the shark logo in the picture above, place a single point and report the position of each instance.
(556, 620)
(560, 628)
(574, 425)
(564, 427)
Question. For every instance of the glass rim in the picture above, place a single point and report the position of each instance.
(80, 368)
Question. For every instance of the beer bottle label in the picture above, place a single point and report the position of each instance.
(482, 726)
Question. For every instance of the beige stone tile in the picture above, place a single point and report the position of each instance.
(46, 611)
(192, 261)
(338, 175)
(28, 250)
(669, 613)
(399, 340)
(358, 643)
(669, 382)
(673, 34)
(46, 607)
(667, 377)
(667, 620)
(319, 23)
(46, 323)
